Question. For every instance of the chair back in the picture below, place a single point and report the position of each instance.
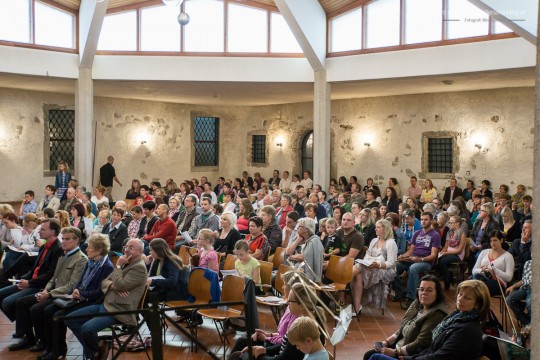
(130, 203)
(266, 272)
(199, 286)
(185, 253)
(141, 302)
(229, 262)
(233, 290)
(114, 258)
(467, 248)
(278, 284)
(340, 269)
(279, 257)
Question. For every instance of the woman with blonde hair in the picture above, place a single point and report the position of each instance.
(208, 257)
(62, 217)
(99, 195)
(228, 235)
(370, 284)
(429, 192)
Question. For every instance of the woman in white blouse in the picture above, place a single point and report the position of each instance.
(494, 265)
(370, 283)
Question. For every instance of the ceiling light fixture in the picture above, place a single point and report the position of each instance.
(172, 2)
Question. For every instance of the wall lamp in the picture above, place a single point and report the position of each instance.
(280, 144)
(367, 144)
(479, 146)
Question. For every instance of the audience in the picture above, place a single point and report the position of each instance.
(297, 215)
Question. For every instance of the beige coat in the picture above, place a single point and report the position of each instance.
(131, 278)
(67, 274)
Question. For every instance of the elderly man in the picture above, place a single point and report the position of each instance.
(123, 290)
(39, 275)
(302, 196)
(164, 228)
(451, 192)
(69, 201)
(29, 309)
(321, 211)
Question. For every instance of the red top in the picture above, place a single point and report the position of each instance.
(47, 246)
(163, 229)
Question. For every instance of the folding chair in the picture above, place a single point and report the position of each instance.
(340, 272)
(266, 274)
(199, 288)
(279, 257)
(276, 307)
(229, 262)
(119, 330)
(233, 290)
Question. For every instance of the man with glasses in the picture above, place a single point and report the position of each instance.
(29, 309)
(123, 290)
(39, 275)
(185, 219)
(420, 257)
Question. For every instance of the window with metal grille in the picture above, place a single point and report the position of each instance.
(258, 149)
(440, 155)
(206, 141)
(61, 137)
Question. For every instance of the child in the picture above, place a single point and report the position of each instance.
(246, 265)
(208, 257)
(305, 335)
(63, 177)
(333, 242)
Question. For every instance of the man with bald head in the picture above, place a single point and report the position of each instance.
(107, 174)
(69, 201)
(123, 290)
(164, 228)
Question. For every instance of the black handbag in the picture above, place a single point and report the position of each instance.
(66, 303)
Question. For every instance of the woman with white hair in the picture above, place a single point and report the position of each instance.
(312, 250)
(371, 279)
(228, 235)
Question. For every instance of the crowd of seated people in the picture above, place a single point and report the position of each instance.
(399, 232)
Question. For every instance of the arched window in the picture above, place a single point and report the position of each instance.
(307, 152)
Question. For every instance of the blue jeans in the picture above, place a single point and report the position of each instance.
(86, 330)
(414, 270)
(381, 357)
(9, 296)
(515, 302)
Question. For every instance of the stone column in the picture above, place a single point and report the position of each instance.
(84, 129)
(321, 130)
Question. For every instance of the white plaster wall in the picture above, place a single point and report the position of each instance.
(21, 140)
(393, 126)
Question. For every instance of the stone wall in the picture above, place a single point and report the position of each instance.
(152, 140)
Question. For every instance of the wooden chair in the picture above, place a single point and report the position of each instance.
(229, 262)
(459, 268)
(276, 307)
(119, 330)
(199, 288)
(266, 274)
(279, 257)
(233, 290)
(130, 203)
(114, 258)
(185, 253)
(340, 272)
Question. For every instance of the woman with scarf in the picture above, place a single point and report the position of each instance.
(87, 292)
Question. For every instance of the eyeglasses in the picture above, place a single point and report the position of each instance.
(131, 247)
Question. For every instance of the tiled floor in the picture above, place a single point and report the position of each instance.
(372, 326)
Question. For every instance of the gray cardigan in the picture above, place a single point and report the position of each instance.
(313, 258)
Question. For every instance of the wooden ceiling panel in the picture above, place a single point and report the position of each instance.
(329, 6)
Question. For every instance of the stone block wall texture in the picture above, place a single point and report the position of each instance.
(501, 118)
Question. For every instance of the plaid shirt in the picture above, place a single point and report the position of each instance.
(527, 276)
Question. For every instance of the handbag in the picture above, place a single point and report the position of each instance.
(66, 303)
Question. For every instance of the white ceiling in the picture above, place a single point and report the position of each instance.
(253, 94)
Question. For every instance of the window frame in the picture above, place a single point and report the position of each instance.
(425, 154)
(152, 3)
(402, 45)
(47, 171)
(250, 149)
(194, 166)
(33, 45)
